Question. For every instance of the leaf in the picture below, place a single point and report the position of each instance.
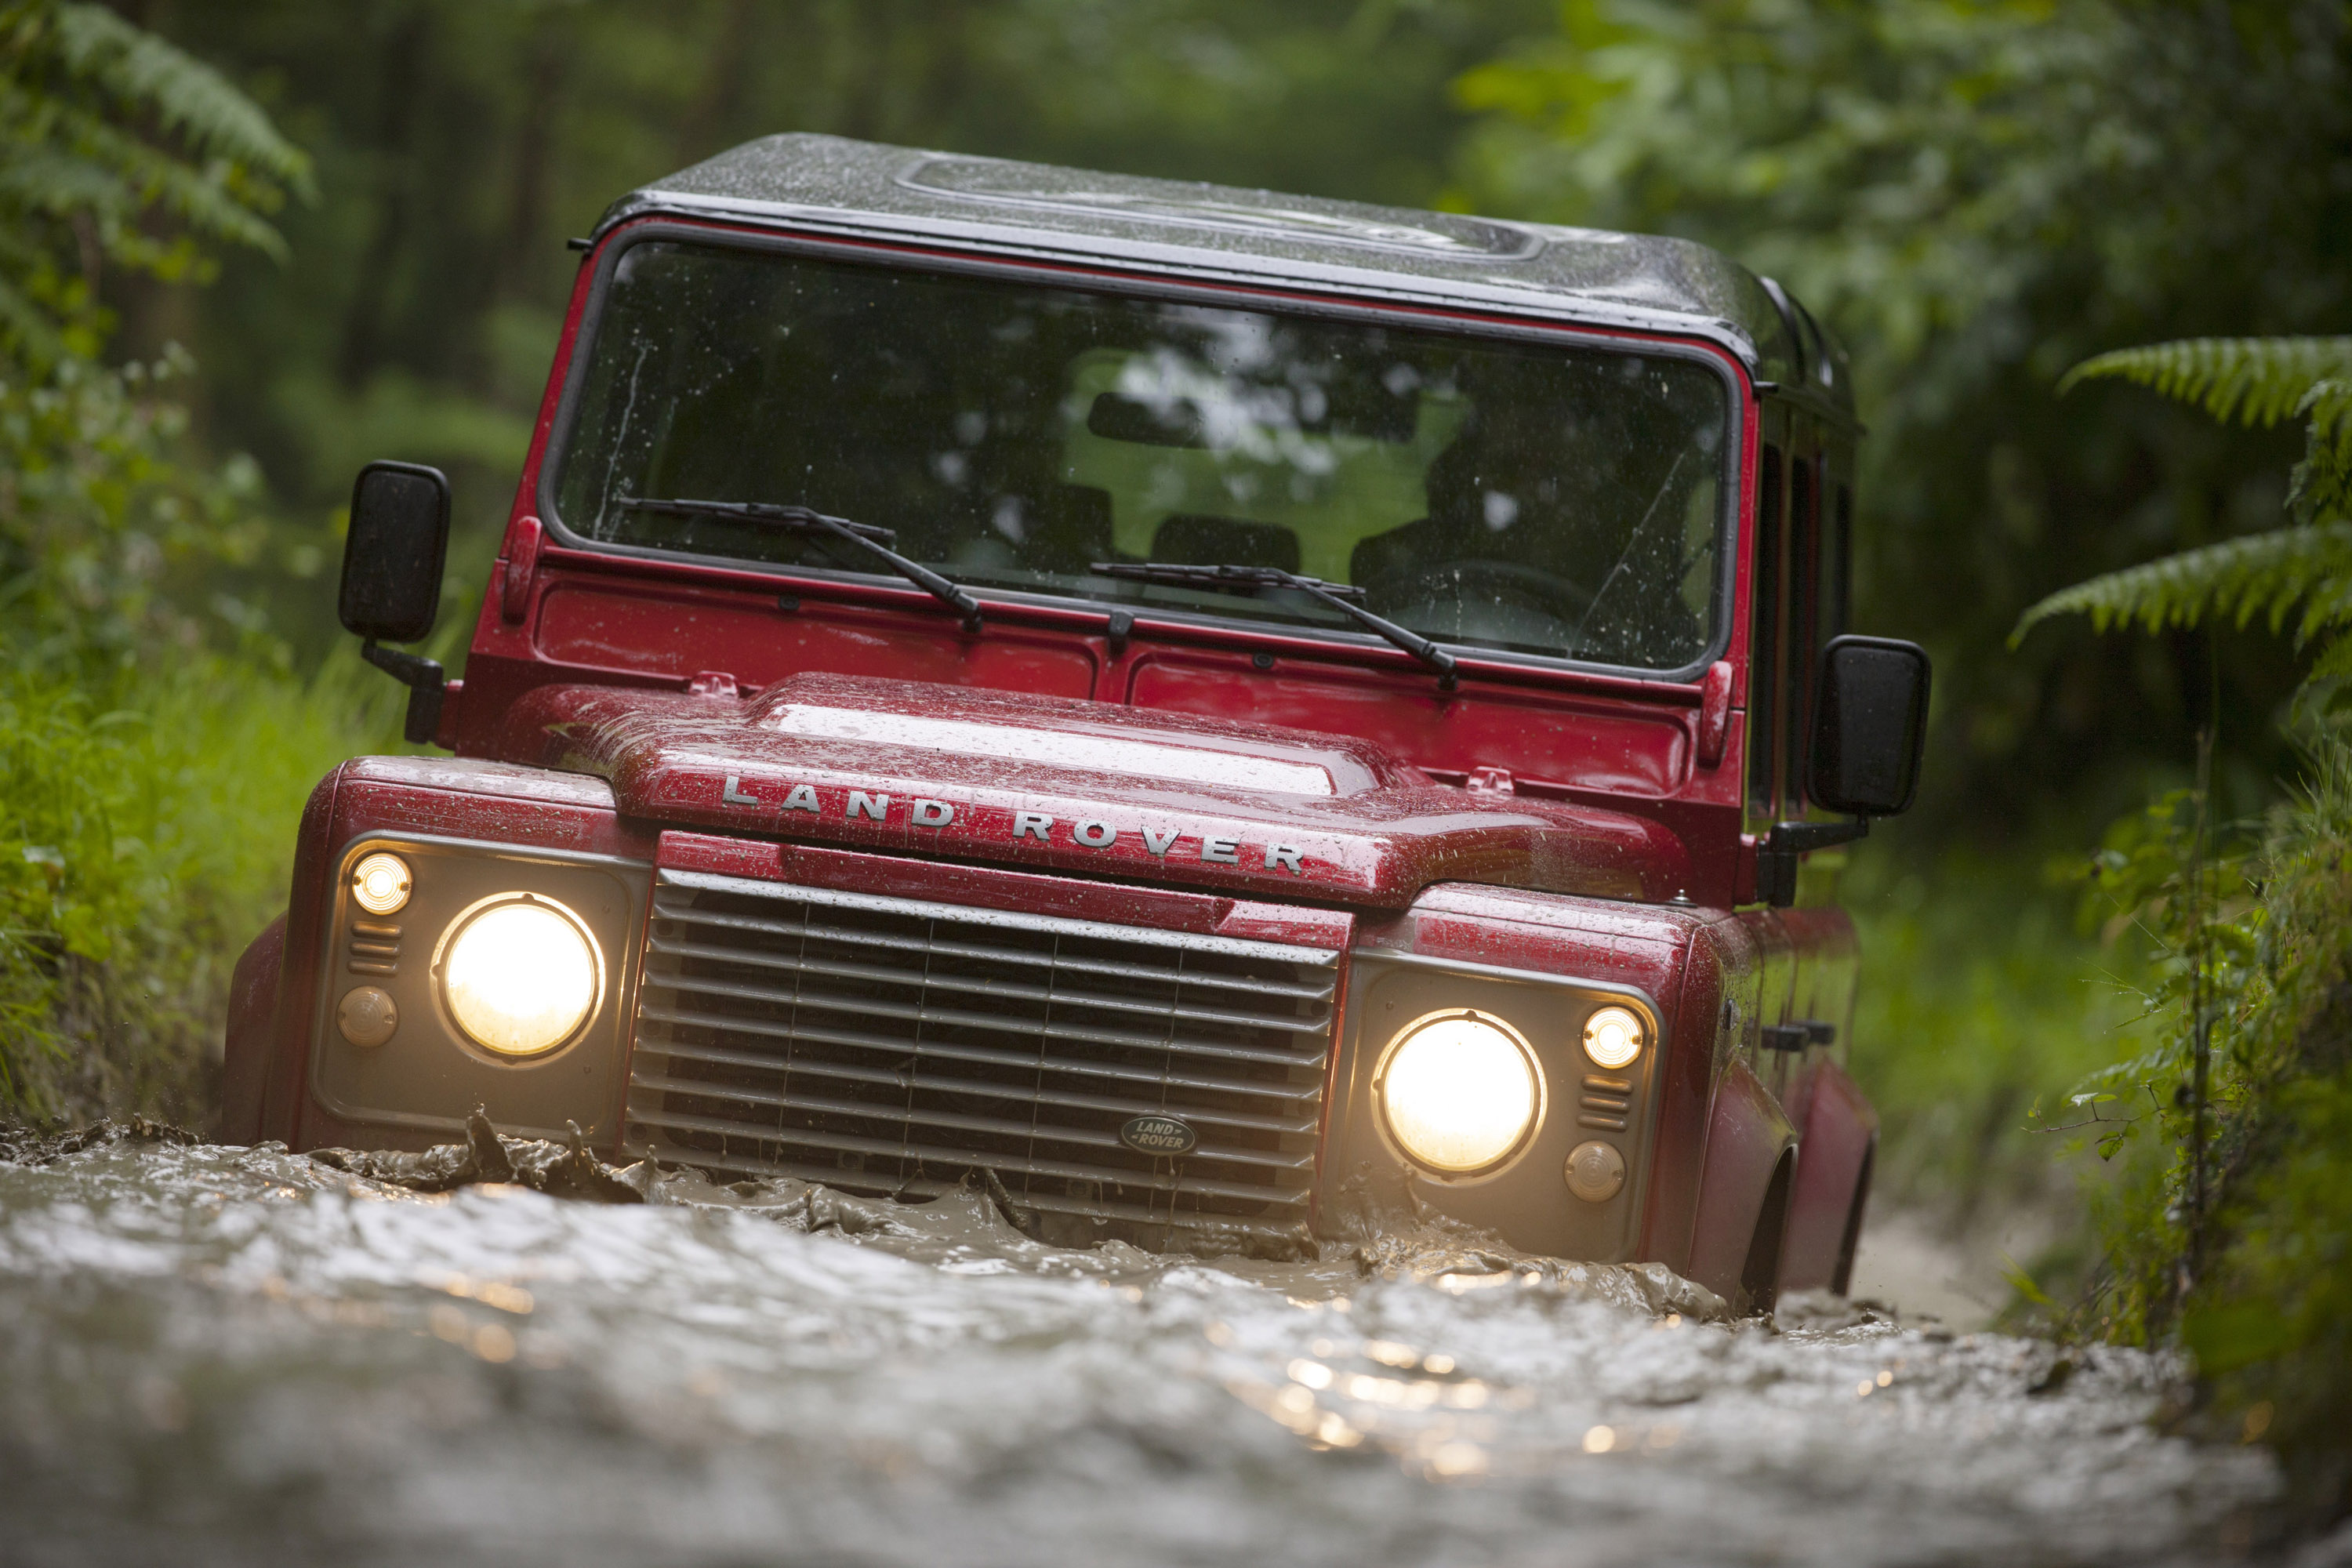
(187, 98)
(89, 933)
(2256, 380)
(2224, 1338)
(2260, 574)
(2320, 488)
(2022, 1283)
(116, 145)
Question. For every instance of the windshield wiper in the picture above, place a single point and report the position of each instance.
(869, 537)
(1336, 595)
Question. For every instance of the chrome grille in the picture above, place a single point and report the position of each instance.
(890, 1046)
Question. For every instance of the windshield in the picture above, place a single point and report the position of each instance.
(1490, 494)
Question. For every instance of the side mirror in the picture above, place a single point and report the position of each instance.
(394, 553)
(392, 560)
(1869, 725)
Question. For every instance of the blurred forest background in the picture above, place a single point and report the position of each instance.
(1976, 194)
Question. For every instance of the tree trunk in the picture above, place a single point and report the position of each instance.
(401, 84)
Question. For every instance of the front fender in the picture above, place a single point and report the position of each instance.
(252, 1007)
(1839, 1127)
(1744, 1140)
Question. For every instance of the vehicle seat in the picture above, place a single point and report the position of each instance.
(1198, 539)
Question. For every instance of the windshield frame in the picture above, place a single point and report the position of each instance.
(1173, 286)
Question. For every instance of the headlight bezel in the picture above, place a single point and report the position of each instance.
(466, 920)
(1521, 1145)
(418, 1086)
(1367, 1180)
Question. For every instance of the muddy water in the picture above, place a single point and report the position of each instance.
(214, 1355)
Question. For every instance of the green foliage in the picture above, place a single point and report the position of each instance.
(105, 522)
(2322, 484)
(2182, 888)
(1909, 164)
(1977, 194)
(115, 147)
(1981, 1001)
(145, 829)
(2257, 381)
(2261, 574)
(154, 752)
(2271, 1322)
(110, 140)
(2235, 1226)
(2259, 1281)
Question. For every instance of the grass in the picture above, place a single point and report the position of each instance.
(1981, 1004)
(146, 831)
(2258, 1284)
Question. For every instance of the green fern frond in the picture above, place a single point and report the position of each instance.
(2261, 574)
(88, 165)
(187, 98)
(103, 128)
(198, 198)
(2334, 665)
(2257, 381)
(2320, 489)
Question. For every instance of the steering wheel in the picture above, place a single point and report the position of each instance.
(1543, 606)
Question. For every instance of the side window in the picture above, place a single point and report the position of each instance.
(1803, 630)
(1763, 668)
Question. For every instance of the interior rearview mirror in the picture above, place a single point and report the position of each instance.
(1869, 725)
(393, 555)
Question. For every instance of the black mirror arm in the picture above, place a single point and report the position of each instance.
(426, 683)
(1803, 838)
(1776, 857)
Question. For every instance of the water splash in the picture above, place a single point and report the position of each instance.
(244, 1356)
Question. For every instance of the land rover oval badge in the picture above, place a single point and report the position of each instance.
(1159, 1135)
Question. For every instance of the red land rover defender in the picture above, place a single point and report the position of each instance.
(1216, 715)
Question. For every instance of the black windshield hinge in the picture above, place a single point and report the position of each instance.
(1778, 855)
(427, 683)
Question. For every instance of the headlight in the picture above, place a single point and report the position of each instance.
(1613, 1038)
(519, 974)
(1460, 1093)
(380, 883)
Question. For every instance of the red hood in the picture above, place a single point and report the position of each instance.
(1090, 787)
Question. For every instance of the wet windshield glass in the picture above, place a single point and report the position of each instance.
(1487, 493)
